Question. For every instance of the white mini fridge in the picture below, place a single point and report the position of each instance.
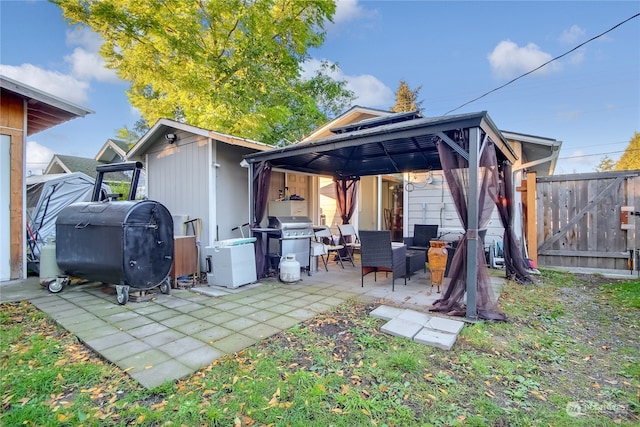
(231, 263)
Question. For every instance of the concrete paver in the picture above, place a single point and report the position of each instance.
(170, 336)
(401, 328)
(437, 339)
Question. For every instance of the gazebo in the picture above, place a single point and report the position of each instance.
(469, 148)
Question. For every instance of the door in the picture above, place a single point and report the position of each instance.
(5, 194)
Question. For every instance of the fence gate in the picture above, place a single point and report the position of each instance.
(589, 220)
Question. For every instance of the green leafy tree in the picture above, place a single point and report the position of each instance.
(229, 65)
(407, 99)
(131, 136)
(606, 164)
(630, 159)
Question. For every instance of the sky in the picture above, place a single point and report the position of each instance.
(454, 51)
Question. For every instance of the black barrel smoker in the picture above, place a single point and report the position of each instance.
(126, 243)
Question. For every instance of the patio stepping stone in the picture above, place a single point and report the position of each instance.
(420, 327)
(386, 312)
(437, 339)
(401, 328)
(445, 325)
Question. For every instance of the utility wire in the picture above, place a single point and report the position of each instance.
(545, 64)
(630, 150)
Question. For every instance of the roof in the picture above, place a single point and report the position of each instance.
(165, 126)
(380, 147)
(539, 154)
(67, 164)
(353, 114)
(44, 111)
(113, 149)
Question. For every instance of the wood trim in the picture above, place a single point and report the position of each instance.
(12, 121)
(531, 216)
(585, 254)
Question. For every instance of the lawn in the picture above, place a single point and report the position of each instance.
(567, 356)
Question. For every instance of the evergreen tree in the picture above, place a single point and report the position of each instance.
(630, 159)
(407, 99)
(606, 164)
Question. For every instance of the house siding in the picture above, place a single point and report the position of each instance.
(177, 176)
(433, 204)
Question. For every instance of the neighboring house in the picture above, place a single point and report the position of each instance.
(24, 111)
(196, 173)
(113, 151)
(61, 163)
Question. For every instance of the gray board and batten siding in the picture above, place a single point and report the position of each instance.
(579, 220)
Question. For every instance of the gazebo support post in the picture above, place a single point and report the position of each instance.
(472, 227)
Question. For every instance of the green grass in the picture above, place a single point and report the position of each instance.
(568, 345)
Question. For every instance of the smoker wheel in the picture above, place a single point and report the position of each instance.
(165, 288)
(54, 286)
(122, 294)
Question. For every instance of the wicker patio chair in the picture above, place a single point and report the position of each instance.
(323, 249)
(349, 238)
(377, 254)
(422, 235)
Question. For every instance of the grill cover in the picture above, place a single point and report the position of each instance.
(122, 242)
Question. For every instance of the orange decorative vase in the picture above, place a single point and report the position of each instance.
(437, 261)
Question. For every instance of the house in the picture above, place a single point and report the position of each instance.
(24, 111)
(398, 201)
(196, 174)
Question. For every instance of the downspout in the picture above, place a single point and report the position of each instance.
(379, 197)
(212, 205)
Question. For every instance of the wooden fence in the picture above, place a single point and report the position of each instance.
(589, 220)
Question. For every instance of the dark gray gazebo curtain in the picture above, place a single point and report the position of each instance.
(514, 262)
(261, 181)
(456, 171)
(347, 196)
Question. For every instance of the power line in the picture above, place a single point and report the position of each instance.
(599, 154)
(545, 64)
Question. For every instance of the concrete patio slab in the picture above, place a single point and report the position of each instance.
(171, 336)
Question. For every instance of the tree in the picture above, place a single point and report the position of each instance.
(606, 164)
(407, 99)
(132, 136)
(630, 159)
(229, 65)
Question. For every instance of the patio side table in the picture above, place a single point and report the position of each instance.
(416, 260)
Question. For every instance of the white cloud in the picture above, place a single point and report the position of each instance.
(61, 85)
(508, 60)
(86, 62)
(347, 10)
(38, 157)
(87, 65)
(369, 91)
(572, 36)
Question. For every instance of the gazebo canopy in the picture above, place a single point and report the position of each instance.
(396, 143)
(406, 142)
